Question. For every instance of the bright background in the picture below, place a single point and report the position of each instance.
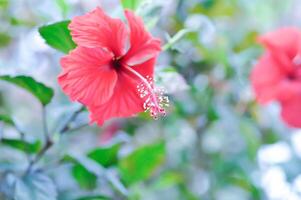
(216, 142)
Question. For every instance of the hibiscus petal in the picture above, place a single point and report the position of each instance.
(87, 76)
(265, 78)
(146, 68)
(284, 40)
(96, 29)
(125, 102)
(143, 45)
(291, 111)
(284, 44)
(288, 89)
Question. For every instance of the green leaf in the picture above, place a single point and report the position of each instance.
(251, 135)
(63, 5)
(169, 179)
(43, 93)
(215, 8)
(85, 179)
(35, 186)
(22, 145)
(4, 4)
(106, 156)
(87, 169)
(6, 119)
(58, 36)
(248, 41)
(171, 41)
(142, 163)
(98, 197)
(5, 39)
(269, 136)
(130, 4)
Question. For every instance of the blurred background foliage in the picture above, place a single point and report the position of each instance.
(215, 143)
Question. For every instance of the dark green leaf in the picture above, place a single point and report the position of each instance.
(105, 156)
(85, 171)
(269, 136)
(6, 119)
(85, 179)
(58, 36)
(5, 39)
(142, 163)
(39, 90)
(98, 197)
(22, 145)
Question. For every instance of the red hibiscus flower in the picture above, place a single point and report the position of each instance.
(277, 75)
(111, 70)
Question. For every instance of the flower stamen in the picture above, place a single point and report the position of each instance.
(154, 99)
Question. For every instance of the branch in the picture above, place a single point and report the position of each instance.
(49, 143)
(66, 127)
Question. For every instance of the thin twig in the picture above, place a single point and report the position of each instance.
(76, 128)
(45, 128)
(49, 142)
(66, 127)
(39, 155)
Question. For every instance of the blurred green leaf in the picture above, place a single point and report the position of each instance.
(243, 181)
(22, 145)
(98, 197)
(142, 163)
(35, 186)
(251, 135)
(21, 22)
(6, 119)
(85, 171)
(216, 8)
(63, 5)
(269, 136)
(130, 4)
(186, 193)
(105, 156)
(58, 36)
(4, 4)
(169, 179)
(5, 39)
(85, 179)
(212, 114)
(248, 41)
(171, 41)
(39, 90)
